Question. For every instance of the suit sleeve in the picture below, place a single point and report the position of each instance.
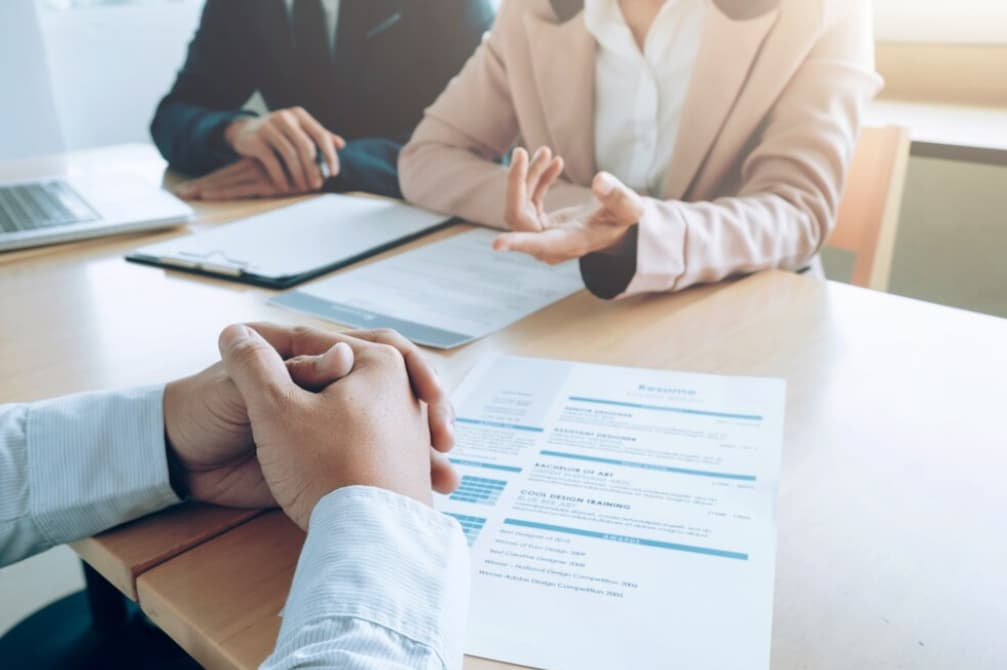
(453, 31)
(452, 163)
(791, 182)
(368, 165)
(216, 79)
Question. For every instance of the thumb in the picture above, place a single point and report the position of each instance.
(623, 203)
(314, 373)
(443, 476)
(255, 366)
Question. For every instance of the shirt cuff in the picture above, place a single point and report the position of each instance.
(653, 260)
(219, 150)
(660, 248)
(96, 460)
(387, 559)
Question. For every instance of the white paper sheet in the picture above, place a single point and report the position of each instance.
(618, 517)
(443, 294)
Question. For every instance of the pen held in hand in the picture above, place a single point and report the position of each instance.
(323, 166)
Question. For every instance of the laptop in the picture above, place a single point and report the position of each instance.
(60, 209)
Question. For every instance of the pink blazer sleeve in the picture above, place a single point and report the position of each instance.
(791, 183)
(450, 165)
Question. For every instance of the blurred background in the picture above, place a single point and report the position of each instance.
(97, 49)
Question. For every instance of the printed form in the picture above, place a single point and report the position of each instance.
(618, 517)
(442, 294)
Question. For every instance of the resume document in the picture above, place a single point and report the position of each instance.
(618, 517)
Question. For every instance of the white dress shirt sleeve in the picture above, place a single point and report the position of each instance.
(72, 467)
(382, 582)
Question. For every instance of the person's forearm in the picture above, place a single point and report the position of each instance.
(74, 466)
(191, 137)
(382, 583)
(440, 173)
(369, 165)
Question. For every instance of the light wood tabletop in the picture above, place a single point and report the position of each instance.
(78, 317)
(75, 317)
(890, 517)
(891, 543)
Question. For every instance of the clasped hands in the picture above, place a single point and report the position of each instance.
(572, 232)
(292, 414)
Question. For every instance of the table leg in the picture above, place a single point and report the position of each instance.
(109, 608)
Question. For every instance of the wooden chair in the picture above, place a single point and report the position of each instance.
(868, 216)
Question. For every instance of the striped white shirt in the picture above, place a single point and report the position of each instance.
(382, 581)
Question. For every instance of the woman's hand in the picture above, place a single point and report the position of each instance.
(527, 185)
(555, 237)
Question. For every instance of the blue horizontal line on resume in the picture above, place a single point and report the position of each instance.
(496, 424)
(649, 466)
(664, 408)
(488, 466)
(720, 553)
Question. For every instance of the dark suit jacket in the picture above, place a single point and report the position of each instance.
(385, 72)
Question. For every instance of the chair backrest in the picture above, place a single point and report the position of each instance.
(868, 217)
(29, 124)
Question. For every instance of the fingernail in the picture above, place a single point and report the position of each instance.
(238, 333)
(448, 414)
(605, 183)
(251, 333)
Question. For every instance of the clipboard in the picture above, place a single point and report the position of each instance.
(289, 245)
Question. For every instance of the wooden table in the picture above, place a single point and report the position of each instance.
(891, 531)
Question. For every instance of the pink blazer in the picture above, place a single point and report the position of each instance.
(769, 124)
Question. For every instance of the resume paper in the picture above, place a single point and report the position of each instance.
(618, 517)
(443, 294)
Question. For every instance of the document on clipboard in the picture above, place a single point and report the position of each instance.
(289, 245)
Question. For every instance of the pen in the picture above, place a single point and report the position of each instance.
(323, 166)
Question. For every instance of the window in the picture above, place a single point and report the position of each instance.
(941, 21)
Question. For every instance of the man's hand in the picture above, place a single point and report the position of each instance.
(567, 233)
(246, 178)
(367, 429)
(208, 434)
(207, 427)
(293, 343)
(285, 143)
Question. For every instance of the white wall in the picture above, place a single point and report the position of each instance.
(110, 65)
(28, 121)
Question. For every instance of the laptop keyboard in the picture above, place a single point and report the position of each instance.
(41, 205)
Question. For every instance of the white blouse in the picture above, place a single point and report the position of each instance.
(639, 96)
